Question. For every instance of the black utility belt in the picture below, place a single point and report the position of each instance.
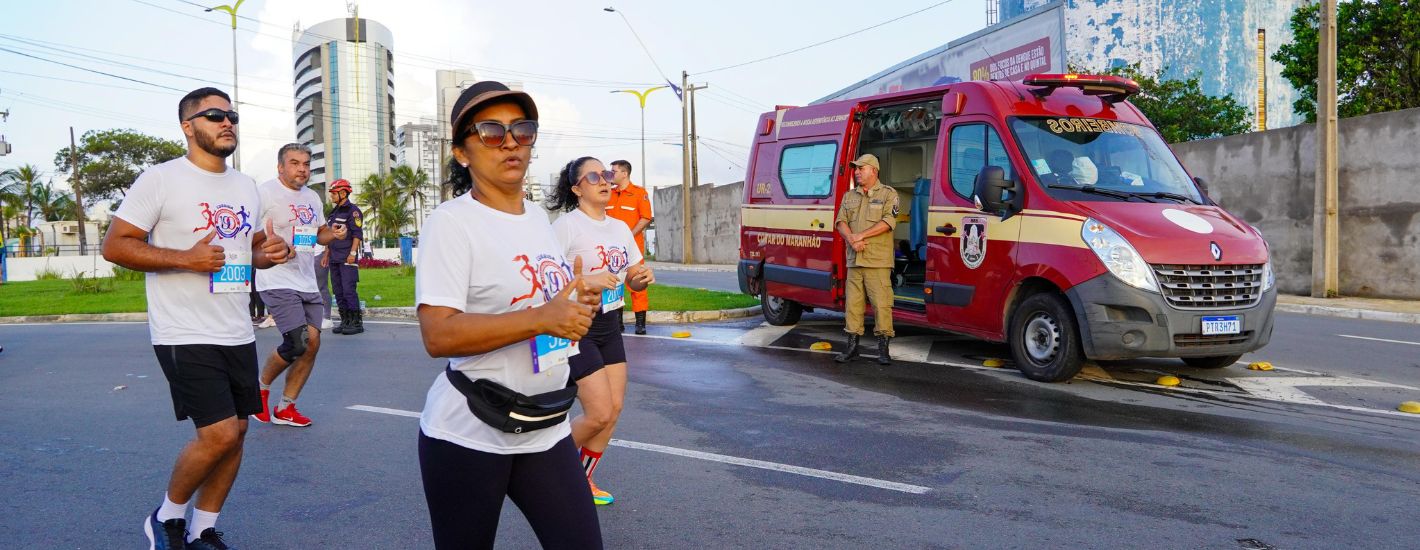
(508, 410)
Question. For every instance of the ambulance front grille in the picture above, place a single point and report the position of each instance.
(1210, 286)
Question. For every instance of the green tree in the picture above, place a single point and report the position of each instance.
(53, 204)
(1181, 111)
(386, 207)
(109, 161)
(17, 187)
(1377, 57)
(410, 182)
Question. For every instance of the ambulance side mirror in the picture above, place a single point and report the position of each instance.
(993, 193)
(1202, 186)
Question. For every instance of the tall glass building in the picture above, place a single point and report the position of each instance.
(344, 82)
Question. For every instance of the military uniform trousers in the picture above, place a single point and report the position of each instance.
(875, 284)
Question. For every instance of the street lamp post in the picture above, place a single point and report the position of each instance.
(641, 96)
(236, 97)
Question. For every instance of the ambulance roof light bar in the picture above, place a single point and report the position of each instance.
(1112, 89)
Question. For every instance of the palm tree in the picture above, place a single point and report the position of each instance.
(386, 209)
(18, 186)
(409, 182)
(54, 204)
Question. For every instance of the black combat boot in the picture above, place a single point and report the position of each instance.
(851, 353)
(344, 322)
(357, 326)
(883, 357)
(640, 322)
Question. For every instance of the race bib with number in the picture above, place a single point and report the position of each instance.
(235, 275)
(550, 352)
(304, 238)
(614, 298)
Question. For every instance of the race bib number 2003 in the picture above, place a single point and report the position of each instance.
(235, 275)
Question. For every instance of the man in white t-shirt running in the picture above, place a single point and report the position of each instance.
(188, 223)
(290, 290)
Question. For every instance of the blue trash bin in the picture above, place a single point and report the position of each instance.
(406, 250)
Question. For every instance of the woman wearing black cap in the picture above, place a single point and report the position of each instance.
(495, 296)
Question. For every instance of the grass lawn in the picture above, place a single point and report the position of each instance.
(394, 286)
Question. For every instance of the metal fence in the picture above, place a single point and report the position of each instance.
(37, 251)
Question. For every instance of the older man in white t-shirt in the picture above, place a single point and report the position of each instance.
(189, 223)
(290, 290)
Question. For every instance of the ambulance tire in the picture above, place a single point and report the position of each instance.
(778, 311)
(1044, 341)
(1211, 362)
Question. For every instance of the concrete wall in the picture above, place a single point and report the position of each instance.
(28, 269)
(715, 229)
(1269, 180)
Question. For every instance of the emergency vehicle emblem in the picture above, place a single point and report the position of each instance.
(973, 241)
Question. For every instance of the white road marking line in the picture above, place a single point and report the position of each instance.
(407, 323)
(1380, 340)
(383, 410)
(774, 466)
(52, 323)
(724, 459)
(762, 335)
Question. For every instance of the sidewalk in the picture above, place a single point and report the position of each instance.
(709, 268)
(1371, 309)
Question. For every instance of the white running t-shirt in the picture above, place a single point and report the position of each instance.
(178, 203)
(605, 245)
(475, 259)
(289, 210)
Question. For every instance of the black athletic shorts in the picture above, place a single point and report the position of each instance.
(210, 383)
(600, 347)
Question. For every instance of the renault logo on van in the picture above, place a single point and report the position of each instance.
(1217, 251)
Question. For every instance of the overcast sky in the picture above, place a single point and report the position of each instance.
(568, 53)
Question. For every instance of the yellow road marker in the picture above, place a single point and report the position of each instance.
(681, 334)
(1168, 381)
(1412, 407)
(1260, 365)
(821, 346)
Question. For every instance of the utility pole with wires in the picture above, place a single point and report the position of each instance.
(688, 157)
(78, 194)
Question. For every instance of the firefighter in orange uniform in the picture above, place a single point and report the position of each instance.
(631, 204)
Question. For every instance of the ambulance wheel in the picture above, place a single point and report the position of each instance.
(1211, 362)
(1044, 340)
(778, 311)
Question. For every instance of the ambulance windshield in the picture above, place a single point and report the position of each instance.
(1095, 159)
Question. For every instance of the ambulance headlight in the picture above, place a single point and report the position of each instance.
(1118, 255)
(1268, 277)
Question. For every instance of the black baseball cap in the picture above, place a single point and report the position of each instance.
(483, 92)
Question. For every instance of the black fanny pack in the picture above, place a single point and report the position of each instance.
(508, 410)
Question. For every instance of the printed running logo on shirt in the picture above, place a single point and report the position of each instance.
(548, 276)
(614, 259)
(303, 213)
(226, 219)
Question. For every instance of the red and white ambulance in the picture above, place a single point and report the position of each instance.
(1047, 214)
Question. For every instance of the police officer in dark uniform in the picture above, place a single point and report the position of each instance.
(341, 255)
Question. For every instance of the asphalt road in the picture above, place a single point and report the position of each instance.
(740, 437)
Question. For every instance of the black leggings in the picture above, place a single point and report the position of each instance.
(465, 490)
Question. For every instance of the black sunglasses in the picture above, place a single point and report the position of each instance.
(598, 178)
(494, 134)
(216, 115)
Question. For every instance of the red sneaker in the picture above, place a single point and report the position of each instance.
(264, 416)
(289, 416)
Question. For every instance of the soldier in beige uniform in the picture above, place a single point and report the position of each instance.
(866, 220)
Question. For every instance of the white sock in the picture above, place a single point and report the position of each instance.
(200, 522)
(170, 509)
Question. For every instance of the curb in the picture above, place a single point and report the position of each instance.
(661, 317)
(77, 318)
(1349, 313)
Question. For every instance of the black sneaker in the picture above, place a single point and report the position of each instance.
(165, 535)
(210, 539)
